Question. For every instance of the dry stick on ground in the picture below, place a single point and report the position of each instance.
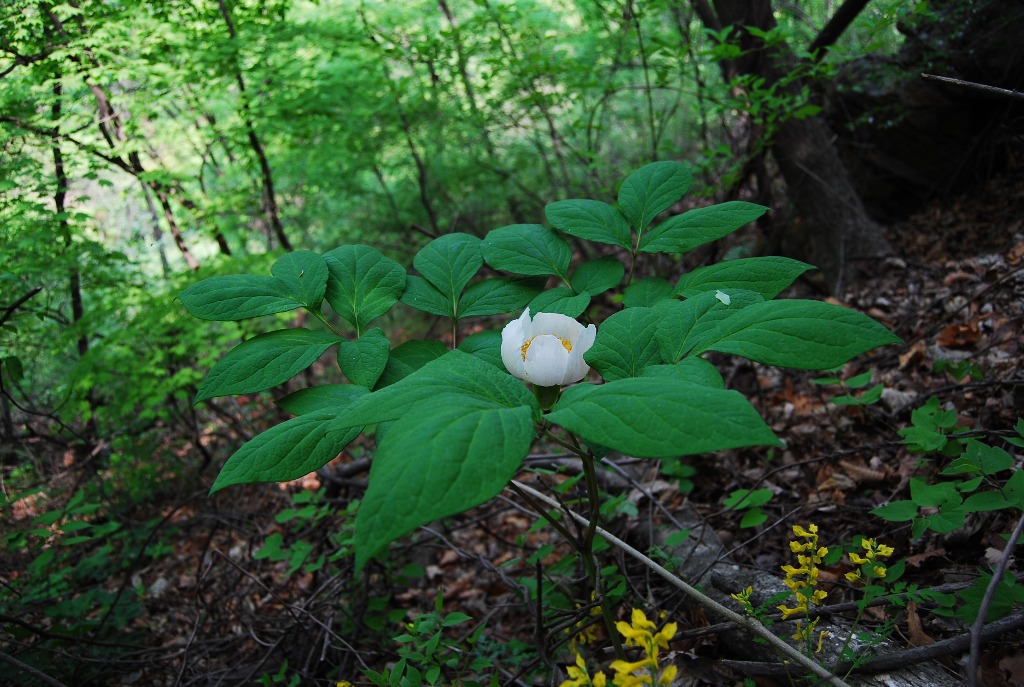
(34, 672)
(746, 623)
(979, 623)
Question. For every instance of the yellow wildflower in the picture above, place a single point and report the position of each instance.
(643, 633)
(579, 677)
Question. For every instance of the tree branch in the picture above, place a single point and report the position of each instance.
(839, 22)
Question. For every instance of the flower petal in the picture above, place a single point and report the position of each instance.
(546, 361)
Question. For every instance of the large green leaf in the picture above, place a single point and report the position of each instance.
(238, 297)
(461, 430)
(597, 276)
(560, 300)
(456, 372)
(449, 263)
(304, 273)
(421, 295)
(288, 451)
(646, 292)
(485, 345)
(802, 334)
(659, 417)
(683, 233)
(625, 344)
(363, 360)
(684, 325)
(362, 283)
(334, 397)
(439, 461)
(768, 276)
(591, 220)
(694, 369)
(530, 249)
(651, 190)
(264, 361)
(408, 357)
(497, 296)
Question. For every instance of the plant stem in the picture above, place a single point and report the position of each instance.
(323, 320)
(587, 549)
(748, 624)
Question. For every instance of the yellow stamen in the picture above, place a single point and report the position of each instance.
(566, 344)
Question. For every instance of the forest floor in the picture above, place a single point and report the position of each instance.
(240, 591)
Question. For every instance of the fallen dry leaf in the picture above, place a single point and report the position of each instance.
(917, 635)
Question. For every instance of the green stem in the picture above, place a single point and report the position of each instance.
(323, 320)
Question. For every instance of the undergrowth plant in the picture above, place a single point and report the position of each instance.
(967, 473)
(453, 419)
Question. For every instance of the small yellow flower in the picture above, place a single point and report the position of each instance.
(643, 633)
(801, 532)
(744, 599)
(579, 677)
(880, 571)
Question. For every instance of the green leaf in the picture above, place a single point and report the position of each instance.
(530, 249)
(933, 495)
(456, 372)
(746, 498)
(449, 263)
(768, 276)
(660, 417)
(985, 501)
(362, 284)
(334, 397)
(694, 369)
(597, 276)
(684, 325)
(560, 300)
(421, 295)
(1014, 489)
(408, 357)
(694, 228)
(625, 344)
(651, 190)
(288, 451)
(897, 511)
(801, 334)
(264, 361)
(485, 345)
(363, 360)
(437, 462)
(951, 517)
(471, 428)
(591, 220)
(646, 292)
(238, 297)
(304, 273)
(980, 457)
(498, 296)
(753, 518)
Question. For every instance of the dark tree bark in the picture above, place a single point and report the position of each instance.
(834, 231)
(269, 195)
(907, 139)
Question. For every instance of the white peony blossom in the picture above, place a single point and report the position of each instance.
(547, 350)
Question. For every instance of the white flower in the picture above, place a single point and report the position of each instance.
(547, 350)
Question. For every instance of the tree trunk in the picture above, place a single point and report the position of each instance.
(834, 231)
(269, 195)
